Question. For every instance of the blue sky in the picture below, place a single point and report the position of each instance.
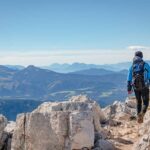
(64, 27)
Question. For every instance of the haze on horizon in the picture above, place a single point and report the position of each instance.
(98, 32)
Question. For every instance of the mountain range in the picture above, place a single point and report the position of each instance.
(66, 68)
(74, 67)
(34, 82)
(36, 85)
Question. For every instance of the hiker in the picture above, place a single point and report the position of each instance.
(139, 80)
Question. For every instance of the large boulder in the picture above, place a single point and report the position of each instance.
(59, 126)
(121, 111)
(112, 110)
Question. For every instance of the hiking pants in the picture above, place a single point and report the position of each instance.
(142, 97)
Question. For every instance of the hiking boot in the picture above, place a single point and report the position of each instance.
(140, 117)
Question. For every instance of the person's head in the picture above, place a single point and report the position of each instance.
(139, 54)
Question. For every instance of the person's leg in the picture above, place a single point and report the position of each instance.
(138, 96)
(138, 101)
(145, 97)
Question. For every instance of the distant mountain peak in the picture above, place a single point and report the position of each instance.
(31, 67)
(32, 70)
(35, 68)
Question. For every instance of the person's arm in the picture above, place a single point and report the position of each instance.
(148, 70)
(129, 80)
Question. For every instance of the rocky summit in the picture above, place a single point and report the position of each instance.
(77, 124)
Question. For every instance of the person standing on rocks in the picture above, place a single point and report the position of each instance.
(139, 80)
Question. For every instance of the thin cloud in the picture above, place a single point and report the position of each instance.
(46, 58)
(138, 47)
(41, 58)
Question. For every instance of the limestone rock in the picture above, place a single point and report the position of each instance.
(10, 127)
(122, 116)
(144, 133)
(81, 130)
(120, 111)
(80, 98)
(143, 143)
(7, 135)
(131, 102)
(3, 136)
(59, 126)
(3, 123)
(34, 132)
(111, 110)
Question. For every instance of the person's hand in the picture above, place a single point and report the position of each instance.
(129, 87)
(129, 92)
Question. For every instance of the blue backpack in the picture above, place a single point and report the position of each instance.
(138, 75)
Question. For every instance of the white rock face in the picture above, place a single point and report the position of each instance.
(112, 110)
(7, 135)
(59, 126)
(81, 130)
(3, 123)
(121, 111)
(34, 132)
(10, 127)
(131, 102)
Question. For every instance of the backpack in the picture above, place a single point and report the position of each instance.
(138, 75)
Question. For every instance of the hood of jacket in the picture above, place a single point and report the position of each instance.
(137, 59)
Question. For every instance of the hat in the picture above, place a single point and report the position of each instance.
(139, 54)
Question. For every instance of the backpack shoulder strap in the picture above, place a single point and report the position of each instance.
(143, 63)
